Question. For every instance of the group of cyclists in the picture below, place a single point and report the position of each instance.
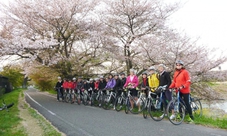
(152, 78)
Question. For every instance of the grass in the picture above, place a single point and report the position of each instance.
(52, 91)
(10, 121)
(46, 126)
(212, 122)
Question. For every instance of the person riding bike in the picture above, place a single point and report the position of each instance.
(96, 85)
(59, 89)
(132, 83)
(181, 82)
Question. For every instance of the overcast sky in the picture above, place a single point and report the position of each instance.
(206, 19)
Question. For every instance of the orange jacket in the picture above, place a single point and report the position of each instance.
(181, 78)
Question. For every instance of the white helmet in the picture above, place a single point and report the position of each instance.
(151, 68)
(74, 78)
(59, 78)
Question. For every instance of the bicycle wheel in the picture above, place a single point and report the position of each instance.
(67, 98)
(146, 109)
(196, 108)
(137, 106)
(176, 112)
(156, 113)
(127, 106)
(10, 105)
(108, 102)
(85, 99)
(119, 103)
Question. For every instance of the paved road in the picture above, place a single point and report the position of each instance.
(79, 120)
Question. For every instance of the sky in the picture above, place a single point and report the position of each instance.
(204, 19)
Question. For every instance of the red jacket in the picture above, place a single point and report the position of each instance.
(181, 78)
(65, 85)
(96, 85)
(70, 85)
(74, 85)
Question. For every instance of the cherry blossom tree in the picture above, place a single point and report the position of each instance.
(128, 21)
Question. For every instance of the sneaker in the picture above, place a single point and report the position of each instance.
(172, 117)
(162, 116)
(189, 120)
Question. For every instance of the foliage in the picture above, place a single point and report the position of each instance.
(14, 74)
(10, 120)
(78, 37)
(43, 77)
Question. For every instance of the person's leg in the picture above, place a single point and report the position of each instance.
(187, 103)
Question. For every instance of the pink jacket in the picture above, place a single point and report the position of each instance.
(134, 82)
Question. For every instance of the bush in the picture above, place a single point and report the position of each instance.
(14, 75)
(43, 77)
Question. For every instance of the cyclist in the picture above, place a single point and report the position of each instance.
(111, 82)
(132, 83)
(91, 85)
(79, 87)
(144, 83)
(102, 83)
(96, 85)
(65, 86)
(153, 78)
(86, 87)
(74, 84)
(123, 80)
(182, 81)
(59, 89)
(164, 79)
(117, 86)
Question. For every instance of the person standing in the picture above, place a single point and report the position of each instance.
(164, 79)
(144, 83)
(117, 86)
(132, 83)
(59, 89)
(182, 82)
(153, 78)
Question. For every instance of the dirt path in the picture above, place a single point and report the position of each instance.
(30, 124)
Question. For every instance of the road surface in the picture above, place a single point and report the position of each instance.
(80, 120)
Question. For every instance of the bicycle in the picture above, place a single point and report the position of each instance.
(97, 98)
(6, 107)
(156, 107)
(109, 100)
(120, 101)
(178, 107)
(85, 97)
(137, 103)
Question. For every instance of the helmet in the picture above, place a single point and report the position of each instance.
(74, 78)
(96, 79)
(59, 78)
(91, 79)
(100, 77)
(79, 77)
(151, 68)
(144, 73)
(180, 62)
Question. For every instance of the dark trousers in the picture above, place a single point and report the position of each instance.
(186, 99)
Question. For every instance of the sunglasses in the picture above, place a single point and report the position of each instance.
(178, 65)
